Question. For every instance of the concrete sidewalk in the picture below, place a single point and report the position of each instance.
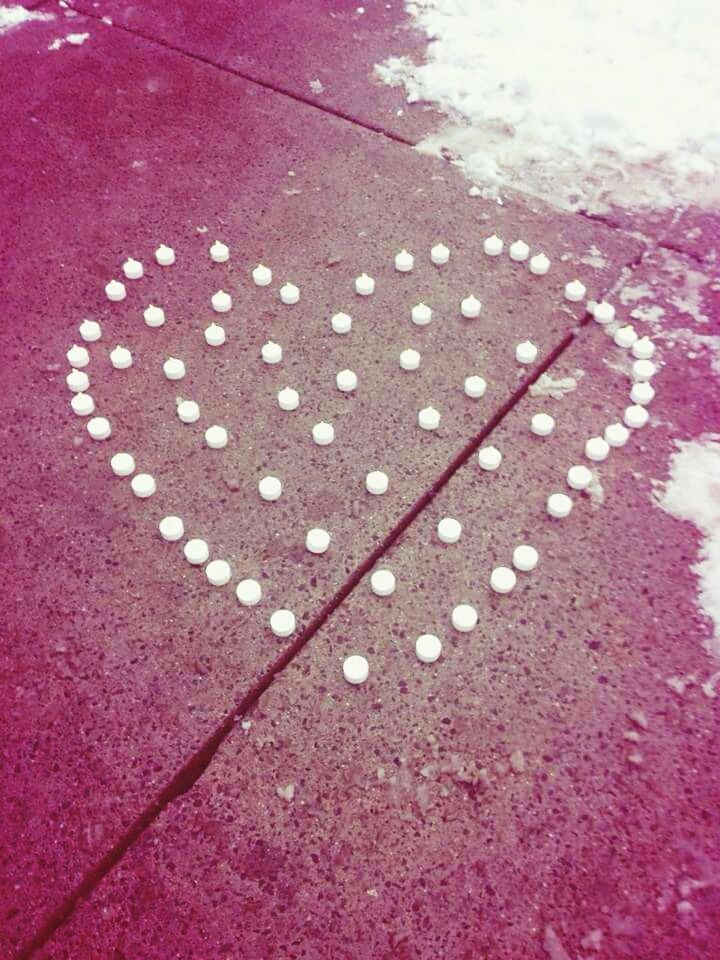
(122, 660)
(317, 52)
(550, 751)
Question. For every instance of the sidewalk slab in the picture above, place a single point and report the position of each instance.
(540, 784)
(323, 53)
(120, 659)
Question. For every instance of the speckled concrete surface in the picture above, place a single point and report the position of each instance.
(320, 51)
(540, 791)
(119, 659)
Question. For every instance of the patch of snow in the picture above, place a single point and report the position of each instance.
(688, 285)
(708, 688)
(694, 343)
(74, 39)
(656, 422)
(595, 490)
(615, 105)
(545, 386)
(13, 16)
(639, 717)
(648, 314)
(692, 493)
(684, 907)
(677, 685)
(286, 792)
(631, 294)
(622, 366)
(552, 946)
(689, 885)
(594, 258)
(593, 941)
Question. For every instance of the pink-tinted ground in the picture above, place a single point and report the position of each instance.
(120, 662)
(541, 780)
(319, 52)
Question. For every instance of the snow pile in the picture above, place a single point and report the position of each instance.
(13, 16)
(586, 104)
(74, 39)
(693, 493)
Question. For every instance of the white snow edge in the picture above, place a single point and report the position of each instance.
(13, 16)
(692, 493)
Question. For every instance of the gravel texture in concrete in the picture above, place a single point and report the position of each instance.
(119, 658)
(548, 788)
